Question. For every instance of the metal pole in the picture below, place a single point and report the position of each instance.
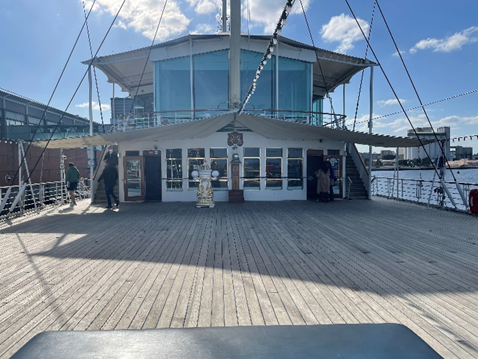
(19, 166)
(224, 15)
(397, 169)
(91, 162)
(235, 55)
(113, 112)
(276, 74)
(343, 107)
(370, 126)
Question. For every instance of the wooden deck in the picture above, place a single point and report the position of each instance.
(156, 265)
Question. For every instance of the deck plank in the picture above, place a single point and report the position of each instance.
(156, 265)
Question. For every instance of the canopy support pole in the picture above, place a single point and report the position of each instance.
(370, 126)
(91, 162)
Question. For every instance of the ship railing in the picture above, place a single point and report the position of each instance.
(427, 192)
(144, 120)
(20, 200)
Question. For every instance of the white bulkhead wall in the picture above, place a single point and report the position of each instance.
(219, 140)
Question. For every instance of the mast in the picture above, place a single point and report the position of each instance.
(235, 55)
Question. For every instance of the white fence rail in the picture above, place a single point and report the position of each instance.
(427, 192)
(14, 202)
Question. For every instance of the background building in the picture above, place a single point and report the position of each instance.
(433, 149)
(120, 106)
(460, 152)
(25, 119)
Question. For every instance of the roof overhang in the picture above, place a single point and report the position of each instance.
(266, 127)
(133, 70)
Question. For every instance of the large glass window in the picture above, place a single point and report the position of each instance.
(274, 168)
(252, 168)
(294, 87)
(211, 80)
(34, 120)
(294, 169)
(318, 109)
(219, 163)
(195, 159)
(14, 119)
(264, 96)
(174, 170)
(172, 85)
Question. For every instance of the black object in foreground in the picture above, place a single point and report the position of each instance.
(313, 341)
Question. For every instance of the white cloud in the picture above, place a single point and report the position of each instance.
(203, 29)
(96, 106)
(345, 30)
(449, 43)
(205, 6)
(390, 102)
(266, 12)
(143, 16)
(395, 54)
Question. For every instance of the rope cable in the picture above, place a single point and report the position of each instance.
(268, 53)
(416, 107)
(147, 58)
(327, 94)
(363, 71)
(94, 69)
(416, 92)
(393, 90)
(76, 91)
(43, 118)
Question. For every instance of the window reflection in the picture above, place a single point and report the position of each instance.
(274, 168)
(133, 178)
(196, 158)
(174, 170)
(294, 169)
(219, 163)
(211, 80)
(252, 168)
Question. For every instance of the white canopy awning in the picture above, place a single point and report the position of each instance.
(133, 70)
(267, 127)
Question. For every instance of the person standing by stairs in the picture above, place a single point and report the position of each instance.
(72, 177)
(109, 176)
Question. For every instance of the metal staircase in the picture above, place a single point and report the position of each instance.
(355, 188)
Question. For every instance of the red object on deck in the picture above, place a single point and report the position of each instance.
(474, 201)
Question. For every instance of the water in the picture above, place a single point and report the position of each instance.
(468, 175)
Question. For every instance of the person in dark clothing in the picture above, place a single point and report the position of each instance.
(332, 180)
(111, 157)
(109, 176)
(72, 177)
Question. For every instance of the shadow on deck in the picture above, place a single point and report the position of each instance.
(154, 265)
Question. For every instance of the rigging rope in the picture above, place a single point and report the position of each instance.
(318, 62)
(427, 104)
(147, 58)
(43, 118)
(393, 90)
(416, 92)
(268, 53)
(74, 94)
(363, 71)
(94, 68)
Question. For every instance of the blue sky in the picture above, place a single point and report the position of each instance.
(438, 40)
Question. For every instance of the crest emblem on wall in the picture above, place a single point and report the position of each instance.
(235, 138)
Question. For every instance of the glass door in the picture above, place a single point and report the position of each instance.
(133, 178)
